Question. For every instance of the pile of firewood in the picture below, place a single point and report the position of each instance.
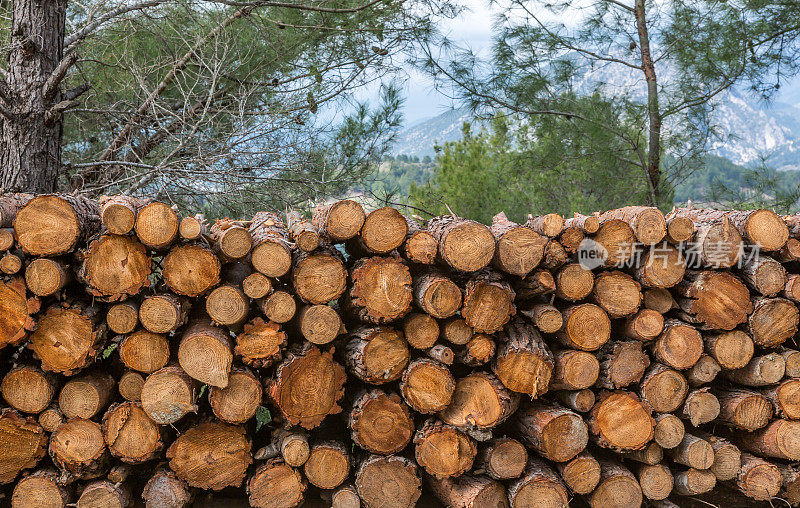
(370, 359)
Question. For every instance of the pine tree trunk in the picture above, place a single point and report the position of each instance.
(30, 140)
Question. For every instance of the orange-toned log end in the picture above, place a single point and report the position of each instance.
(443, 450)
(328, 464)
(779, 439)
(206, 353)
(743, 409)
(719, 300)
(421, 330)
(279, 307)
(319, 324)
(478, 351)
(275, 484)
(86, 396)
(663, 266)
(679, 229)
(480, 401)
(488, 302)
(122, 318)
(105, 493)
(732, 350)
(581, 474)
(192, 228)
(24, 443)
(577, 400)
(620, 421)
(115, 267)
(388, 481)
(421, 247)
(758, 479)
(465, 245)
(78, 446)
(271, 256)
(384, 230)
(144, 351)
(539, 485)
(227, 305)
(28, 389)
(15, 311)
(502, 458)
(663, 389)
(377, 355)
(339, 221)
(616, 241)
(519, 248)
(785, 397)
(549, 225)
(586, 326)
(381, 290)
(50, 225)
(51, 418)
(668, 431)
(436, 294)
(67, 338)
(46, 277)
(130, 386)
(257, 285)
(679, 345)
(302, 232)
(191, 270)
(766, 229)
(319, 277)
(427, 386)
(237, 402)
(211, 456)
(130, 434)
(554, 432)
(618, 487)
(617, 293)
(43, 486)
(168, 394)
(622, 363)
(157, 225)
(163, 313)
(574, 282)
(260, 343)
(693, 482)
(380, 422)
(773, 321)
(547, 318)
(656, 481)
(307, 386)
(232, 242)
(469, 490)
(118, 213)
(523, 363)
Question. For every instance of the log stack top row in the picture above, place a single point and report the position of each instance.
(363, 358)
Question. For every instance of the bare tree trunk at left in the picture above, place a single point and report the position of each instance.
(30, 113)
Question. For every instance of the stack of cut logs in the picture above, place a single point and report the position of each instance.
(364, 358)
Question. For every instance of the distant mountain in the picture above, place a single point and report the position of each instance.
(420, 138)
(748, 129)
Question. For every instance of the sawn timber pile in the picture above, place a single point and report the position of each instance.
(356, 358)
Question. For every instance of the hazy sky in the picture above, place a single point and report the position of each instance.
(472, 29)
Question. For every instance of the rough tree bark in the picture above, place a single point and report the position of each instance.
(31, 109)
